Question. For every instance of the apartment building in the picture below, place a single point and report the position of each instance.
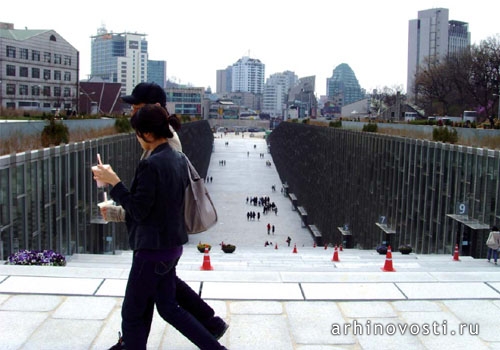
(38, 70)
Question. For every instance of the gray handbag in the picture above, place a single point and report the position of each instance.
(199, 210)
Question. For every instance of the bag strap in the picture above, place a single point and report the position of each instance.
(194, 177)
(193, 174)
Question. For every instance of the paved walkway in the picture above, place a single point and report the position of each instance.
(272, 298)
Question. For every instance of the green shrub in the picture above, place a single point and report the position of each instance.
(54, 134)
(370, 127)
(444, 134)
(122, 124)
(335, 124)
(185, 119)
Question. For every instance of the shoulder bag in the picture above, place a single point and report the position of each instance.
(491, 240)
(199, 210)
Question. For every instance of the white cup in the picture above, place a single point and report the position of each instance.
(94, 169)
(106, 203)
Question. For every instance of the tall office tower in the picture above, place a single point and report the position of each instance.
(224, 83)
(432, 37)
(344, 85)
(276, 91)
(157, 72)
(119, 58)
(248, 75)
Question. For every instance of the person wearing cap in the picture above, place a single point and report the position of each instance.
(154, 205)
(188, 299)
(153, 93)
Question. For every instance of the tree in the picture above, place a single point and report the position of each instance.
(486, 76)
(434, 88)
(383, 97)
(464, 81)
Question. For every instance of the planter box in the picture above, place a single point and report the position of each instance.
(228, 248)
(201, 248)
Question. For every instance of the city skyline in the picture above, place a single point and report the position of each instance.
(371, 38)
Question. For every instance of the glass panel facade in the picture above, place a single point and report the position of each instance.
(344, 176)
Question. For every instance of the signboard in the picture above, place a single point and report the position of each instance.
(133, 45)
(461, 209)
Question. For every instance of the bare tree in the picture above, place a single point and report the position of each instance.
(468, 80)
(385, 97)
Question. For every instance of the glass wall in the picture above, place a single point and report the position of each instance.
(432, 195)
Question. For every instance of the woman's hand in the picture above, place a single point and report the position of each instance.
(105, 173)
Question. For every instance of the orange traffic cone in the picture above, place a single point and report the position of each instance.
(455, 254)
(314, 245)
(294, 249)
(326, 245)
(276, 246)
(206, 261)
(388, 261)
(335, 254)
(341, 248)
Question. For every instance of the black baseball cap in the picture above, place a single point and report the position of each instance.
(146, 93)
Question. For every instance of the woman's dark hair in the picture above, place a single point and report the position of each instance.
(494, 228)
(154, 119)
(174, 121)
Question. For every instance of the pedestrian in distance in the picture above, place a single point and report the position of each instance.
(493, 243)
(288, 240)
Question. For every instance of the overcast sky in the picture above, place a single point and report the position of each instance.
(197, 37)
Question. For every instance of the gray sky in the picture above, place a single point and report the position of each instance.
(197, 37)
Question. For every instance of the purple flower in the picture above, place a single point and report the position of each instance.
(34, 257)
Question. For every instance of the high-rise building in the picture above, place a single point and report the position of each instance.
(157, 72)
(248, 75)
(276, 92)
(343, 85)
(119, 58)
(38, 70)
(431, 37)
(302, 102)
(224, 83)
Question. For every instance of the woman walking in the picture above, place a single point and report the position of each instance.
(154, 207)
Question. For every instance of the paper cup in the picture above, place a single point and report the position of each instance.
(105, 204)
(94, 169)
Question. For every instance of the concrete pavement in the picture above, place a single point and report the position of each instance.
(272, 298)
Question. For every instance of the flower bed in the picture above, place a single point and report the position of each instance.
(201, 247)
(36, 257)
